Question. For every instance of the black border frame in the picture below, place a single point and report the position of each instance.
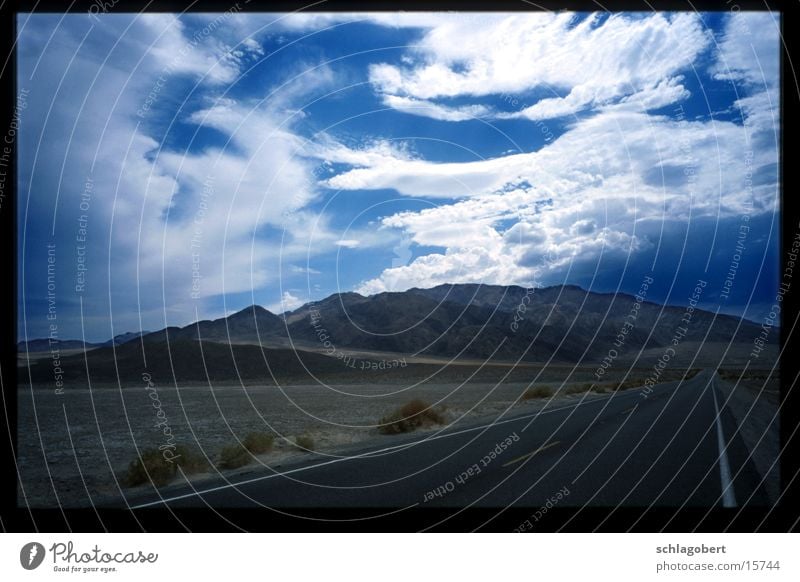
(781, 518)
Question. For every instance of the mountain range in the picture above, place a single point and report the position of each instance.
(468, 321)
(46, 345)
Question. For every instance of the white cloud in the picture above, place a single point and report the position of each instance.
(748, 57)
(665, 92)
(252, 45)
(584, 64)
(298, 270)
(204, 55)
(477, 249)
(435, 111)
(169, 227)
(288, 302)
(314, 21)
(748, 51)
(478, 264)
(435, 180)
(761, 112)
(617, 147)
(369, 153)
(593, 191)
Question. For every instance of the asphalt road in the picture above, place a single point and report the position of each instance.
(671, 448)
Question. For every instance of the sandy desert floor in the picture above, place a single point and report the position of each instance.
(74, 446)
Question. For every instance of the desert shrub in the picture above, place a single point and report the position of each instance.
(190, 460)
(736, 375)
(537, 392)
(258, 442)
(578, 388)
(599, 388)
(409, 417)
(234, 456)
(149, 467)
(305, 442)
(239, 455)
(153, 467)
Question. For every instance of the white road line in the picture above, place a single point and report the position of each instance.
(367, 454)
(728, 498)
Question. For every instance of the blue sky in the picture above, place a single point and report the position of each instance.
(234, 159)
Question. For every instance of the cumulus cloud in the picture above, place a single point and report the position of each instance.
(288, 302)
(603, 187)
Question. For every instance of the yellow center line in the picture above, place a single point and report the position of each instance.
(539, 450)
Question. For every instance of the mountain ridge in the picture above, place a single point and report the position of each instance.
(462, 320)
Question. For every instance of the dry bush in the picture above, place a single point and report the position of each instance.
(751, 374)
(191, 461)
(305, 442)
(578, 388)
(729, 374)
(629, 383)
(538, 392)
(153, 467)
(258, 442)
(239, 455)
(409, 417)
(234, 456)
(150, 467)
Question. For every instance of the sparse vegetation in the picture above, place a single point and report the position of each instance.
(752, 374)
(191, 461)
(578, 388)
(305, 442)
(629, 383)
(615, 386)
(606, 387)
(597, 388)
(409, 417)
(538, 392)
(258, 442)
(239, 455)
(600, 387)
(234, 456)
(151, 466)
(154, 467)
